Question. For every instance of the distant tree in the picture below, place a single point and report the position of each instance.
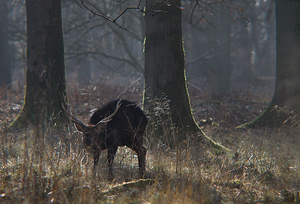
(286, 100)
(45, 93)
(90, 36)
(219, 42)
(5, 66)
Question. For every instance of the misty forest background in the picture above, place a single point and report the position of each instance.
(218, 81)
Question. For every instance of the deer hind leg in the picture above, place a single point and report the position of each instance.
(110, 159)
(141, 152)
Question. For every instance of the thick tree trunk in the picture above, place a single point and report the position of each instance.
(45, 93)
(166, 98)
(286, 100)
(5, 65)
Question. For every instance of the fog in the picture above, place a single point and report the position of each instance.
(236, 39)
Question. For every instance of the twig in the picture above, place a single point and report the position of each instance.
(101, 15)
(71, 55)
(115, 19)
(139, 184)
(193, 10)
(130, 8)
(133, 8)
(196, 87)
(128, 87)
(138, 6)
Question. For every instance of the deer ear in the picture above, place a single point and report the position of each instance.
(79, 126)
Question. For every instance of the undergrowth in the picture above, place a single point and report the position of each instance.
(53, 167)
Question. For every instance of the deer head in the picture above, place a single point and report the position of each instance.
(91, 132)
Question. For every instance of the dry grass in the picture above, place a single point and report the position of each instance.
(53, 167)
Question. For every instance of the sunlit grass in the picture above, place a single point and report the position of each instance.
(53, 166)
(263, 167)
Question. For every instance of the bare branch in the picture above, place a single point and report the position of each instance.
(101, 15)
(127, 49)
(130, 8)
(115, 19)
(71, 55)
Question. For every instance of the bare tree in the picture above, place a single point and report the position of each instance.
(109, 41)
(219, 40)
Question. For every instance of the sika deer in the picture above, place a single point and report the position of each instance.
(118, 123)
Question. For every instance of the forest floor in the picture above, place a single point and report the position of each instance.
(53, 167)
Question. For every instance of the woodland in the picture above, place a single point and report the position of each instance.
(218, 81)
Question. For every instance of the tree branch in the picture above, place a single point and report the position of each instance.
(115, 19)
(101, 15)
(71, 55)
(128, 51)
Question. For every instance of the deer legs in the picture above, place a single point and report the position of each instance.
(110, 159)
(141, 152)
(96, 159)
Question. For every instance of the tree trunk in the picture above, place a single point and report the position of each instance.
(219, 40)
(45, 93)
(84, 72)
(286, 100)
(166, 97)
(5, 66)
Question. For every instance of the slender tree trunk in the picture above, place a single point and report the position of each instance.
(249, 38)
(5, 65)
(45, 93)
(286, 100)
(84, 72)
(219, 40)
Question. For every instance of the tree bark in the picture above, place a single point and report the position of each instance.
(45, 94)
(5, 66)
(285, 104)
(166, 98)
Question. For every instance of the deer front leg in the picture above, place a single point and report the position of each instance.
(110, 159)
(96, 160)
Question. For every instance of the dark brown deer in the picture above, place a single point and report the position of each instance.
(118, 123)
